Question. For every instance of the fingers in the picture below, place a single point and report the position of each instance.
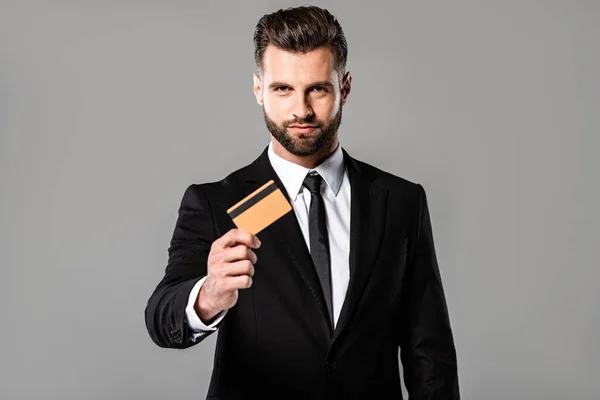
(237, 236)
(231, 261)
(232, 277)
(239, 252)
(238, 282)
(238, 268)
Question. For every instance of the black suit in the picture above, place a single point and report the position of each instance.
(276, 342)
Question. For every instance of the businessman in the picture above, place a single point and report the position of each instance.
(319, 303)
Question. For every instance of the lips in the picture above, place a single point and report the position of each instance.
(303, 128)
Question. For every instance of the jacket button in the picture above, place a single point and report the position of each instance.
(331, 365)
(176, 335)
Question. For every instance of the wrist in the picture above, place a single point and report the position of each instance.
(204, 308)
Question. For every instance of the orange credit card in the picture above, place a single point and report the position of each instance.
(260, 208)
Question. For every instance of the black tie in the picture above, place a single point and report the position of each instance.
(319, 241)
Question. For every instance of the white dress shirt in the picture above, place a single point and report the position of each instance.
(336, 195)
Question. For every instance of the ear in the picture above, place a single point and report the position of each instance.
(346, 87)
(258, 92)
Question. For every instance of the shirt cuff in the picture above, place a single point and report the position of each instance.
(195, 324)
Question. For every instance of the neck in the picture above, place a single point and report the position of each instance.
(306, 161)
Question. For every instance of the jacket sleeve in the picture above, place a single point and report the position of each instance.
(426, 342)
(165, 314)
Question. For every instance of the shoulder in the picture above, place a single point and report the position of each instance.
(397, 186)
(220, 187)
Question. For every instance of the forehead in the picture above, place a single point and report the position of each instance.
(282, 65)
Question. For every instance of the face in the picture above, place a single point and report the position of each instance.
(302, 97)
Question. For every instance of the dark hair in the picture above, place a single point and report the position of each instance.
(300, 30)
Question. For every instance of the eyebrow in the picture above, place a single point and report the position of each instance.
(275, 85)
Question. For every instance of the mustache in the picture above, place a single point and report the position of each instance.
(296, 121)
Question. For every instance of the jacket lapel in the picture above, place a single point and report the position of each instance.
(367, 221)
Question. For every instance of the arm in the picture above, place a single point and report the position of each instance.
(426, 342)
(166, 318)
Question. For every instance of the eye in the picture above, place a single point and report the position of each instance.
(320, 89)
(281, 89)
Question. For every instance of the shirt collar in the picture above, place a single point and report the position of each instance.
(292, 175)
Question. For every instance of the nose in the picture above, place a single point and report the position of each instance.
(302, 109)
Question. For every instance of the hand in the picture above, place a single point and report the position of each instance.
(230, 267)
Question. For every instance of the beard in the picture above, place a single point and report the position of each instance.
(305, 144)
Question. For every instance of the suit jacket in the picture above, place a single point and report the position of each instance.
(276, 342)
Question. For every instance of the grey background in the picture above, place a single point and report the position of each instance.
(109, 109)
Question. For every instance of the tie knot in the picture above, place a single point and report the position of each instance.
(312, 182)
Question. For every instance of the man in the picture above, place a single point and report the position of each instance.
(317, 304)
